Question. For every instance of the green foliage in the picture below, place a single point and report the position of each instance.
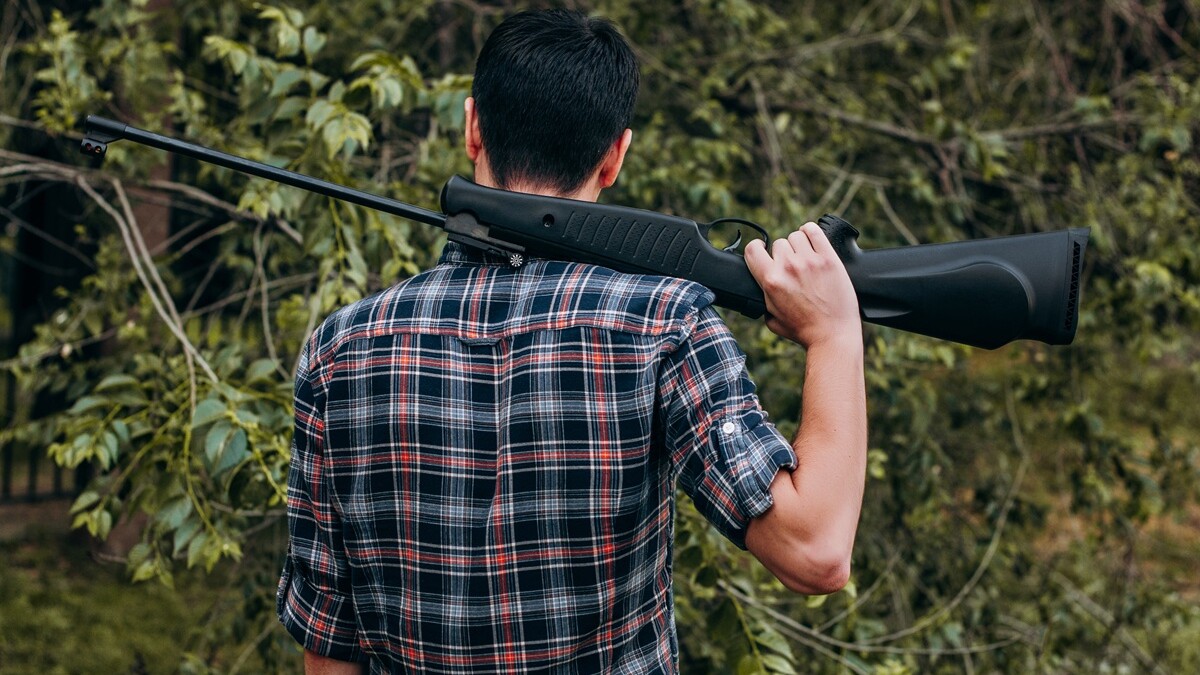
(61, 613)
(1017, 503)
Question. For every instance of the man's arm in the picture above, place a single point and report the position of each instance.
(806, 537)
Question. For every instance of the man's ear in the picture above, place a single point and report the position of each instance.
(610, 166)
(472, 139)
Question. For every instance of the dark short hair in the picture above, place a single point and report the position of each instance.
(553, 90)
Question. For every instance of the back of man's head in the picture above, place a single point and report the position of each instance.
(554, 90)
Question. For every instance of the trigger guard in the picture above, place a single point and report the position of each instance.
(732, 248)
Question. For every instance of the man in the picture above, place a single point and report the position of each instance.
(485, 458)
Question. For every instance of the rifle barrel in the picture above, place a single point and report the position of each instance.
(107, 130)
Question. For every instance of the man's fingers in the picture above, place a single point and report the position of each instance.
(817, 239)
(758, 259)
(756, 256)
(756, 245)
(799, 242)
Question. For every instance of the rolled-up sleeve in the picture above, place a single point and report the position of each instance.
(723, 447)
(313, 601)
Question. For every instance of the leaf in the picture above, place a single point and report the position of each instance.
(747, 665)
(183, 535)
(337, 91)
(289, 41)
(291, 106)
(115, 382)
(110, 447)
(285, 80)
(246, 417)
(85, 501)
(121, 430)
(104, 522)
(391, 93)
(235, 453)
(356, 267)
(318, 113)
(771, 639)
(138, 553)
(214, 442)
(173, 514)
(358, 129)
(196, 546)
(777, 664)
(707, 576)
(313, 41)
(334, 136)
(261, 369)
(238, 60)
(370, 59)
(724, 621)
(145, 571)
(88, 403)
(206, 411)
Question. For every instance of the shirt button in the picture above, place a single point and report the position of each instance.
(728, 428)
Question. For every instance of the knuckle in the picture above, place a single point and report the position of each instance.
(774, 282)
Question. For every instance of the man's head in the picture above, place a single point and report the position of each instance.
(552, 101)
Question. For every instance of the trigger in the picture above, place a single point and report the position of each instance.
(733, 248)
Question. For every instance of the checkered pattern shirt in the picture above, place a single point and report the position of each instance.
(484, 468)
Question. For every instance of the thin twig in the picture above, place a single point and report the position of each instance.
(862, 597)
(881, 194)
(143, 276)
(1104, 617)
(929, 619)
(855, 184)
(799, 631)
(260, 254)
(51, 239)
(206, 198)
(249, 649)
(52, 170)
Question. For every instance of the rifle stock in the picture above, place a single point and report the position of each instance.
(984, 293)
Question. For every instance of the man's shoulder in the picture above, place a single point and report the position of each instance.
(640, 297)
(350, 321)
(475, 295)
(471, 300)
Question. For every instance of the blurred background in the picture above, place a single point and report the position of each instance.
(1029, 509)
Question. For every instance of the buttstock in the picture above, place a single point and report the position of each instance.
(984, 293)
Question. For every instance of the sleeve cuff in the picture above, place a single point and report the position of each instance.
(751, 452)
(764, 454)
(322, 622)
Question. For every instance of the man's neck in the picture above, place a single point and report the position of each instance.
(588, 192)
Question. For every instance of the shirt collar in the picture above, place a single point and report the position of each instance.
(456, 254)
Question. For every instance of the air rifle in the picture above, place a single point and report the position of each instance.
(984, 293)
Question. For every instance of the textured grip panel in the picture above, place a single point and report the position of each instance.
(666, 248)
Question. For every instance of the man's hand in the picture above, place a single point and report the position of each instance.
(809, 295)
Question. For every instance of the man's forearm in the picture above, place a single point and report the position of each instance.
(831, 445)
(806, 537)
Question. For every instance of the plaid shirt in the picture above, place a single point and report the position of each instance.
(484, 465)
